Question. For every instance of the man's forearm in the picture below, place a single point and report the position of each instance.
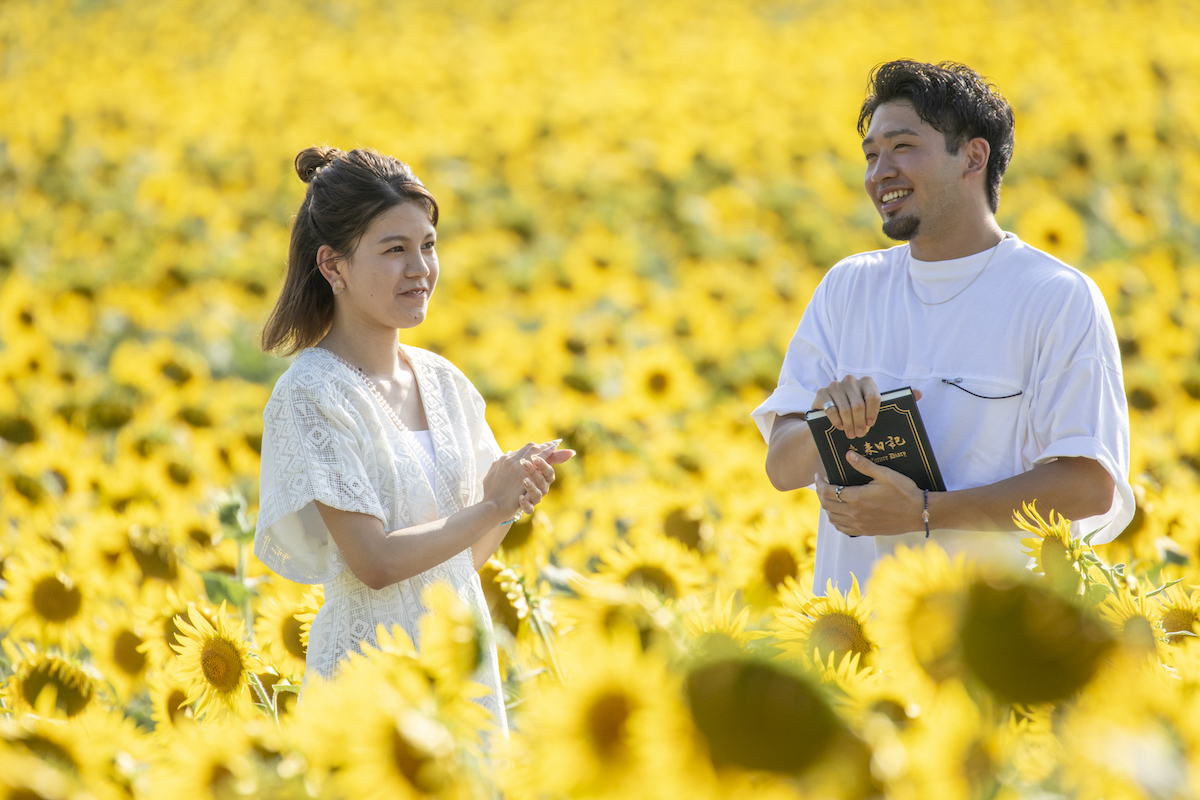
(1074, 487)
(792, 456)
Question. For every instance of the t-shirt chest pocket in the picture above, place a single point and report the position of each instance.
(987, 415)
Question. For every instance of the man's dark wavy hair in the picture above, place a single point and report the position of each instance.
(956, 101)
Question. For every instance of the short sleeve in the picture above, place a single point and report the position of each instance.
(310, 452)
(807, 367)
(1079, 407)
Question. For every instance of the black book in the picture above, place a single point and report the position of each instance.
(897, 441)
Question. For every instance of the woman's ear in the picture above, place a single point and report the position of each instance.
(332, 267)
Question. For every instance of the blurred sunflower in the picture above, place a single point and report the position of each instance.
(1053, 226)
(454, 640)
(212, 761)
(63, 747)
(715, 630)
(768, 556)
(1179, 613)
(46, 600)
(810, 627)
(1133, 618)
(170, 708)
(919, 624)
(614, 730)
(214, 660)
(306, 612)
(1055, 553)
(278, 631)
(116, 645)
(48, 684)
(663, 566)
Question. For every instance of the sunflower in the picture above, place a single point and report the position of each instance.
(306, 612)
(810, 627)
(278, 631)
(61, 746)
(116, 645)
(918, 626)
(615, 729)
(661, 565)
(25, 776)
(716, 630)
(170, 707)
(1055, 553)
(208, 761)
(454, 639)
(613, 610)
(1134, 620)
(48, 684)
(1179, 613)
(768, 555)
(399, 751)
(45, 600)
(160, 622)
(214, 659)
(957, 751)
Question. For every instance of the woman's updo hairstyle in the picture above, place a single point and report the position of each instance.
(346, 191)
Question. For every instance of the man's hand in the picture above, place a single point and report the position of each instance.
(890, 504)
(855, 404)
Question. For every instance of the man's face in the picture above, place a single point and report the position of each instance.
(914, 183)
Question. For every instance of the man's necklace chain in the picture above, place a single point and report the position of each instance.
(960, 291)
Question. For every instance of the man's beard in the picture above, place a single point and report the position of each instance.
(902, 229)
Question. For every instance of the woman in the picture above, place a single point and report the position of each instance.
(380, 475)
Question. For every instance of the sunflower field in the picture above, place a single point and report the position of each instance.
(637, 201)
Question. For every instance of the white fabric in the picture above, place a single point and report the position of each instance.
(327, 438)
(424, 439)
(1029, 323)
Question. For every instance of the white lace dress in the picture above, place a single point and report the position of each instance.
(327, 438)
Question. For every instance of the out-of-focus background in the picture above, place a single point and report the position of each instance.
(637, 202)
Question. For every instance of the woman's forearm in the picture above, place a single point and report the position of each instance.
(482, 550)
(379, 558)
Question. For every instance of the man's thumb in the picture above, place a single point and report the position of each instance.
(865, 465)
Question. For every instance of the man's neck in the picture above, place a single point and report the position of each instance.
(958, 241)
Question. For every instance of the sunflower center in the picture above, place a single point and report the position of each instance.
(291, 636)
(933, 631)
(126, 655)
(778, 566)
(658, 382)
(1138, 633)
(839, 633)
(49, 750)
(414, 764)
(684, 527)
(176, 709)
(56, 599)
(1178, 620)
(154, 559)
(606, 721)
(221, 665)
(73, 689)
(652, 577)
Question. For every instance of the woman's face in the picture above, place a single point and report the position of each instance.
(392, 274)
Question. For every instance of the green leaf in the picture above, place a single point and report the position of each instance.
(285, 687)
(223, 586)
(1088, 539)
(1164, 587)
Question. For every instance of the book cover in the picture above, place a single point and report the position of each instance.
(897, 441)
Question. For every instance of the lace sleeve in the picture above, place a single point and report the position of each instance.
(485, 449)
(310, 452)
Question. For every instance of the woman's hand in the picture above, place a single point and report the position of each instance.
(518, 480)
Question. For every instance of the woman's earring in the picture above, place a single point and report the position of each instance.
(337, 287)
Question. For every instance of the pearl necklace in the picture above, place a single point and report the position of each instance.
(415, 444)
(960, 291)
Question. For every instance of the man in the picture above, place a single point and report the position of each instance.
(1010, 352)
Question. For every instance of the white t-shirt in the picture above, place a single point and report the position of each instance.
(1029, 323)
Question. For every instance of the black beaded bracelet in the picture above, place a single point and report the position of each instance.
(925, 514)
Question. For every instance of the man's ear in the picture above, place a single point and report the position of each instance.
(977, 151)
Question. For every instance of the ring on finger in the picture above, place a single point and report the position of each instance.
(838, 494)
(828, 405)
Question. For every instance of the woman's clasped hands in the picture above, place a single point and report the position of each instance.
(518, 480)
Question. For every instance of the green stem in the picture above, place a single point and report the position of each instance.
(261, 691)
(540, 627)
